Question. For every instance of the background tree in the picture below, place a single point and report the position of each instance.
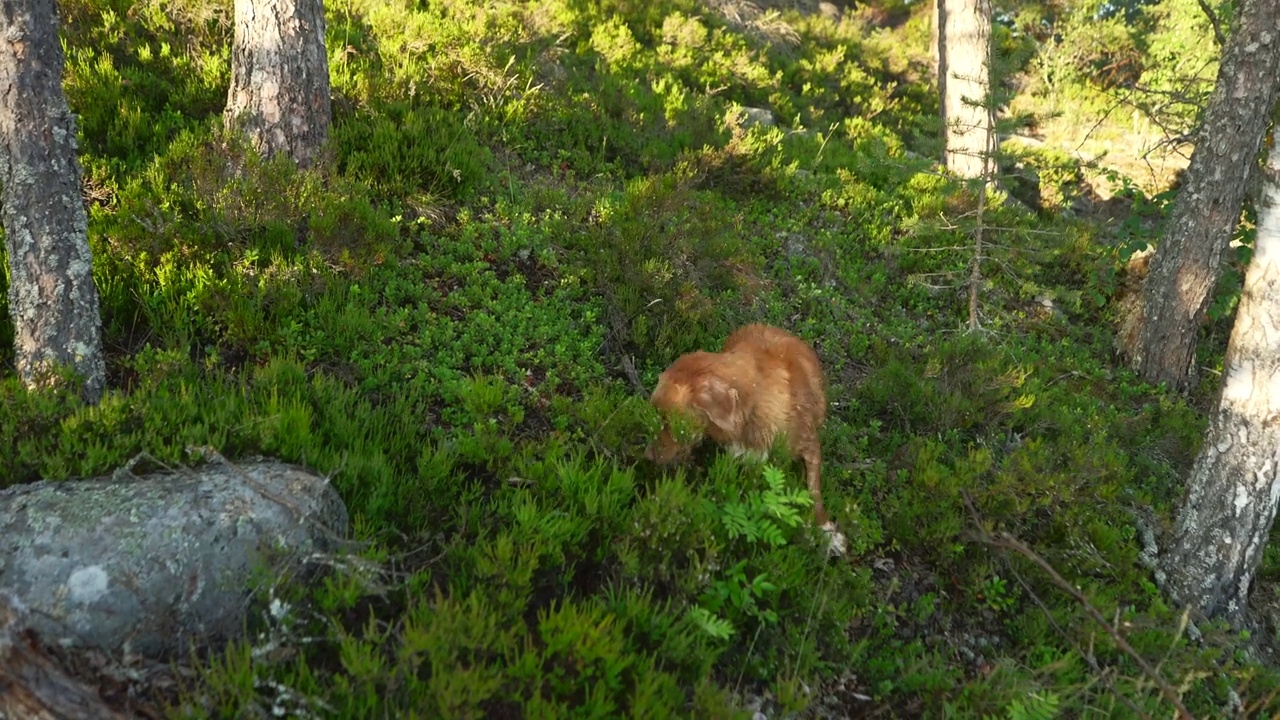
(279, 91)
(1188, 259)
(962, 60)
(962, 53)
(52, 296)
(1224, 524)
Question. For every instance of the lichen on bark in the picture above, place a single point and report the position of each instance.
(1188, 259)
(1225, 522)
(52, 297)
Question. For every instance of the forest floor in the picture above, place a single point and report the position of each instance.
(533, 207)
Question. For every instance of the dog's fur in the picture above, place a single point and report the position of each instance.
(764, 385)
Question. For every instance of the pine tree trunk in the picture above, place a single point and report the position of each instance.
(1224, 524)
(52, 298)
(963, 59)
(1188, 260)
(279, 91)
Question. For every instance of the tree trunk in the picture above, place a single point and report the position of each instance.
(52, 298)
(935, 54)
(963, 58)
(1188, 260)
(279, 90)
(1224, 524)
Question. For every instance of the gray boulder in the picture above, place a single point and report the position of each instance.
(148, 565)
(748, 117)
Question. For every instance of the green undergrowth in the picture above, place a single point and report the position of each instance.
(522, 202)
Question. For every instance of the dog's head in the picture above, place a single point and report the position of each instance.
(692, 399)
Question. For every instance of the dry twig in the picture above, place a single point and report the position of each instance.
(1007, 541)
(629, 367)
(32, 684)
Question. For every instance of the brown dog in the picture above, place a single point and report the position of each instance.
(765, 384)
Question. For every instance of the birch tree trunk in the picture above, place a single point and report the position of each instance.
(1223, 526)
(1188, 260)
(963, 58)
(935, 53)
(279, 91)
(52, 298)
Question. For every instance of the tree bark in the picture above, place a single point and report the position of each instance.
(935, 54)
(1188, 260)
(153, 563)
(963, 59)
(279, 91)
(52, 298)
(1224, 523)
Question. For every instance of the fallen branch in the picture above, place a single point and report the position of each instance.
(629, 367)
(1007, 541)
(1088, 656)
(32, 685)
(1218, 35)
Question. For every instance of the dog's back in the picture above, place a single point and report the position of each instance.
(789, 397)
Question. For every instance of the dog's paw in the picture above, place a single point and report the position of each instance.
(837, 543)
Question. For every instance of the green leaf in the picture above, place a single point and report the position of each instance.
(716, 627)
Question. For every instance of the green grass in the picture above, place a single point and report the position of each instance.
(521, 197)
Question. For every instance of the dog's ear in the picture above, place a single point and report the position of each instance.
(720, 401)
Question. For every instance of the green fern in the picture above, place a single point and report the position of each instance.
(714, 625)
(762, 516)
(737, 521)
(780, 502)
(1035, 707)
(771, 534)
